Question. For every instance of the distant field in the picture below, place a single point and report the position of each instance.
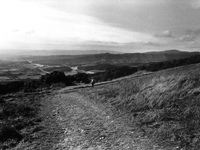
(16, 70)
(58, 68)
(164, 106)
(19, 70)
(24, 67)
(96, 67)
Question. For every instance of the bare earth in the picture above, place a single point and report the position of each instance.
(89, 126)
(74, 122)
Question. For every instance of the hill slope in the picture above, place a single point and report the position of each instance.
(132, 58)
(156, 111)
(164, 106)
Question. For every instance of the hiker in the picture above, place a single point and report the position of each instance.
(92, 82)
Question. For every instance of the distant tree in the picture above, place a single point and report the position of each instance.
(170, 64)
(117, 72)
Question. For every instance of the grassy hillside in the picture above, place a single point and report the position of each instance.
(19, 119)
(164, 106)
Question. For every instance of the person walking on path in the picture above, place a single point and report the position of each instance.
(92, 82)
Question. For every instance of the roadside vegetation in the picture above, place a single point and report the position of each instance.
(164, 106)
(19, 119)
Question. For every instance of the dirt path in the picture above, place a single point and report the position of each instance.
(76, 87)
(82, 124)
(72, 121)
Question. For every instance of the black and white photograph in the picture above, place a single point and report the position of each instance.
(99, 74)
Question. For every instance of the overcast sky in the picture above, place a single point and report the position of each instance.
(122, 25)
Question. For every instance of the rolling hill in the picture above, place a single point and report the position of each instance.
(108, 58)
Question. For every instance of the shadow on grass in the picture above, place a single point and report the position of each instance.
(16, 113)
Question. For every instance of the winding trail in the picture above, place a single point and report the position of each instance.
(75, 88)
(73, 121)
(88, 126)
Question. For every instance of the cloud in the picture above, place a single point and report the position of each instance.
(165, 34)
(197, 32)
(191, 35)
(195, 4)
(187, 38)
(15, 30)
(51, 26)
(30, 32)
(149, 43)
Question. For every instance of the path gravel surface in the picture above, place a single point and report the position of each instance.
(74, 122)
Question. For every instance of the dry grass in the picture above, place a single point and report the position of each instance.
(18, 118)
(164, 105)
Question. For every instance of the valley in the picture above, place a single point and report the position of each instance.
(22, 67)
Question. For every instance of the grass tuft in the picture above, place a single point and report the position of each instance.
(18, 114)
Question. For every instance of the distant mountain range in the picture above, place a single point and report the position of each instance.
(110, 58)
(59, 52)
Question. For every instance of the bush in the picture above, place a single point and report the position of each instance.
(170, 64)
(82, 77)
(53, 77)
(10, 87)
(117, 72)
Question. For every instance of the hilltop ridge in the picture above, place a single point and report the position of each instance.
(110, 58)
